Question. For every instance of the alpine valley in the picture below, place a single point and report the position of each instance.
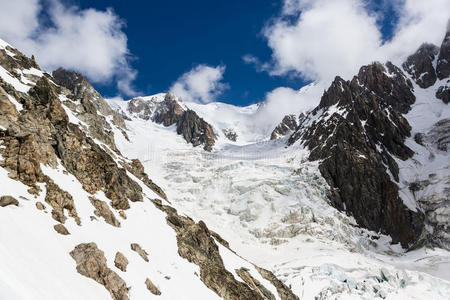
(156, 197)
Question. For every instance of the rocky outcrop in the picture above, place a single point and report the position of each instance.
(138, 249)
(287, 125)
(137, 169)
(420, 65)
(168, 112)
(102, 210)
(91, 262)
(195, 130)
(61, 229)
(230, 134)
(196, 243)
(152, 287)
(443, 63)
(284, 292)
(60, 201)
(443, 93)
(8, 200)
(245, 275)
(355, 132)
(121, 262)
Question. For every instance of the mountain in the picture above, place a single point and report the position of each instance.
(82, 221)
(160, 197)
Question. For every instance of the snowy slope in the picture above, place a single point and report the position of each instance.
(277, 215)
(35, 259)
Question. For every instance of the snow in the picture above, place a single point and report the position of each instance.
(17, 84)
(269, 203)
(13, 100)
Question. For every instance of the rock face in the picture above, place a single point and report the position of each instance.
(195, 130)
(230, 134)
(152, 287)
(8, 200)
(121, 262)
(420, 65)
(197, 244)
(168, 112)
(91, 262)
(287, 125)
(102, 210)
(356, 131)
(443, 63)
(142, 253)
(61, 229)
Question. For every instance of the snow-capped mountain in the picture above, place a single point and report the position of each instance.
(159, 197)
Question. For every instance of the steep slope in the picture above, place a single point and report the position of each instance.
(71, 203)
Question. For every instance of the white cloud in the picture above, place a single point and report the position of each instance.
(323, 38)
(89, 41)
(202, 84)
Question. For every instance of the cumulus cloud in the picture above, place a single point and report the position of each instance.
(89, 41)
(323, 38)
(319, 39)
(201, 84)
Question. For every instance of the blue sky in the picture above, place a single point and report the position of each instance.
(196, 48)
(168, 38)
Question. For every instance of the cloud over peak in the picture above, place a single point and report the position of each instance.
(201, 84)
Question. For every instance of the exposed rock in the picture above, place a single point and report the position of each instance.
(121, 262)
(8, 200)
(169, 112)
(230, 134)
(152, 288)
(287, 125)
(61, 229)
(284, 292)
(102, 210)
(40, 206)
(197, 245)
(195, 130)
(137, 169)
(443, 63)
(60, 200)
(443, 93)
(420, 65)
(81, 88)
(91, 262)
(255, 284)
(137, 248)
(122, 214)
(357, 128)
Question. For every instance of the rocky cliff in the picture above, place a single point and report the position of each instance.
(359, 134)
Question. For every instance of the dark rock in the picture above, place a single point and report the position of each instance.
(443, 63)
(8, 200)
(443, 93)
(287, 125)
(358, 128)
(230, 134)
(91, 262)
(420, 65)
(195, 130)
